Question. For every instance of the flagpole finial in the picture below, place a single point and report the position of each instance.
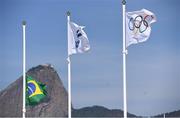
(68, 13)
(24, 22)
(123, 2)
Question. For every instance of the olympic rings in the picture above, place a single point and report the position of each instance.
(139, 23)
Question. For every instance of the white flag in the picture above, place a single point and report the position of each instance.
(77, 39)
(138, 26)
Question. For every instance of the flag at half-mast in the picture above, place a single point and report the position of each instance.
(138, 26)
(77, 39)
(35, 91)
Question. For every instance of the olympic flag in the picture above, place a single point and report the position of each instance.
(77, 41)
(138, 26)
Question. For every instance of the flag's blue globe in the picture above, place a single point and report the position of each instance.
(31, 88)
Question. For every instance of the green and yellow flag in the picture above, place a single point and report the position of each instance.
(35, 91)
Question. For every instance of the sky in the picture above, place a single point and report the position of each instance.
(153, 67)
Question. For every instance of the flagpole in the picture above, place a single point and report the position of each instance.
(164, 115)
(24, 68)
(69, 71)
(124, 59)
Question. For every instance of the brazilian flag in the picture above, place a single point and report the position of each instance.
(35, 91)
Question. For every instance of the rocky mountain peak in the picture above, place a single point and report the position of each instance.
(55, 104)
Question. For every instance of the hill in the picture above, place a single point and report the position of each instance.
(98, 111)
(170, 114)
(54, 105)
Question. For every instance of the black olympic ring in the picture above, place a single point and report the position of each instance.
(139, 23)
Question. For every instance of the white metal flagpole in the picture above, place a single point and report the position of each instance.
(24, 68)
(164, 115)
(124, 58)
(69, 70)
(69, 87)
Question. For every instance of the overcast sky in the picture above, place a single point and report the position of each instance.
(153, 67)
